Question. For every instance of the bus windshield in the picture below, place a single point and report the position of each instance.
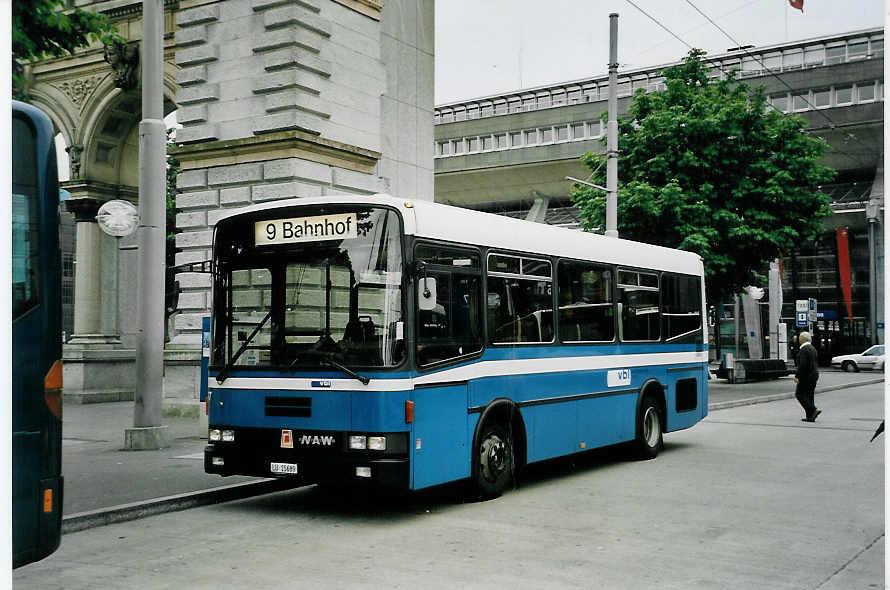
(305, 289)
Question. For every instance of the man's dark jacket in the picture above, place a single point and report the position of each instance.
(807, 369)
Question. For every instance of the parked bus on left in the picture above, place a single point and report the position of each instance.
(36, 339)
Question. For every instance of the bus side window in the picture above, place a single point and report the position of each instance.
(453, 328)
(585, 302)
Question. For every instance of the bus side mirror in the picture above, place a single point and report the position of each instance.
(426, 294)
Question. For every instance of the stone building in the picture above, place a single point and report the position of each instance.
(276, 98)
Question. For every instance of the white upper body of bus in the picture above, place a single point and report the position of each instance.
(466, 226)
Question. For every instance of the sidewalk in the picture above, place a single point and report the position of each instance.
(104, 483)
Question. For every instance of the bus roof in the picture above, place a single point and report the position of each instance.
(466, 226)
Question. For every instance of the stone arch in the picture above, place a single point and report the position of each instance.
(110, 135)
(50, 100)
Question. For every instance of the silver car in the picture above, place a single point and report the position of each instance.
(872, 358)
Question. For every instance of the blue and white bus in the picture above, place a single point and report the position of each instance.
(410, 344)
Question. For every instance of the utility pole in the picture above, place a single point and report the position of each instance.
(147, 432)
(612, 132)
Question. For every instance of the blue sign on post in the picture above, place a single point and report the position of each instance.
(205, 355)
(803, 319)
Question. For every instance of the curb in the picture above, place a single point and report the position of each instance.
(142, 509)
(749, 401)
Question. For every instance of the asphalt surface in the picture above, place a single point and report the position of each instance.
(749, 498)
(104, 483)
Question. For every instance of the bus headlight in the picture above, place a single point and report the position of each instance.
(377, 443)
(215, 435)
(358, 442)
(228, 435)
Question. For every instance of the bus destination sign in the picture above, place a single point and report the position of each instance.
(305, 229)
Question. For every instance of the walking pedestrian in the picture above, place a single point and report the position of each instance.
(806, 376)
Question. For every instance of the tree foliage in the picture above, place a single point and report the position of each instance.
(707, 167)
(40, 29)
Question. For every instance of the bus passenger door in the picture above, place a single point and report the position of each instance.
(439, 435)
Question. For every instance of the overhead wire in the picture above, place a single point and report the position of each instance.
(831, 123)
(719, 66)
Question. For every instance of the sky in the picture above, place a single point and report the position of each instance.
(486, 47)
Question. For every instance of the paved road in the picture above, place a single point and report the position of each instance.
(749, 498)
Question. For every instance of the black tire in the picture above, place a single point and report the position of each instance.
(649, 429)
(850, 367)
(494, 467)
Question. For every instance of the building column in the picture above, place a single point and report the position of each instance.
(95, 305)
(97, 368)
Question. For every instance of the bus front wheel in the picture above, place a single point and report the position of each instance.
(494, 467)
(649, 429)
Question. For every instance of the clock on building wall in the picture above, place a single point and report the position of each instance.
(118, 218)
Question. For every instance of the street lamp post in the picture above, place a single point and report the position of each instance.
(612, 133)
(147, 432)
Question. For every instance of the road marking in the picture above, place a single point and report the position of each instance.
(199, 455)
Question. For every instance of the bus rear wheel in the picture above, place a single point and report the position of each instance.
(649, 429)
(494, 468)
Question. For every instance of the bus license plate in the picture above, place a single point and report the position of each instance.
(283, 468)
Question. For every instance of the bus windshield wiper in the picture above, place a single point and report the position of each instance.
(225, 371)
(345, 369)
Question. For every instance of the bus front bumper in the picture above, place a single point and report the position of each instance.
(340, 468)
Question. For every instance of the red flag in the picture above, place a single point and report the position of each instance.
(798, 4)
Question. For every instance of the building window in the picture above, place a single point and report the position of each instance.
(578, 131)
(822, 98)
(656, 84)
(814, 56)
(562, 133)
(531, 137)
(574, 96)
(460, 115)
(473, 113)
(780, 102)
(458, 146)
(843, 95)
(515, 139)
(792, 60)
(487, 110)
(547, 135)
(445, 148)
(866, 92)
(773, 61)
(624, 88)
(543, 101)
(500, 141)
(835, 55)
(447, 117)
(500, 108)
(595, 128)
(800, 101)
(473, 144)
(858, 50)
(515, 105)
(528, 104)
(559, 98)
(486, 143)
(877, 48)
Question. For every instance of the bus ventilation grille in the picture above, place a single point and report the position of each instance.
(300, 407)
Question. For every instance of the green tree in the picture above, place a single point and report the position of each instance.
(706, 166)
(41, 29)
